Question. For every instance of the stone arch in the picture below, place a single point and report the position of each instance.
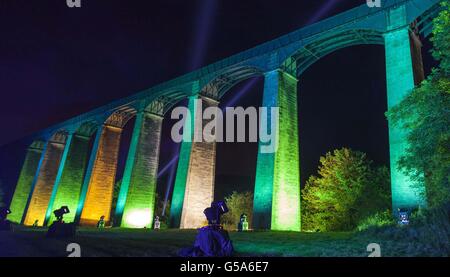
(120, 117)
(162, 104)
(306, 56)
(86, 129)
(223, 82)
(59, 136)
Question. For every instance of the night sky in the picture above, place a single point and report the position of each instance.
(56, 63)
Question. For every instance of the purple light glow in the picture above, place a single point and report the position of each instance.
(168, 165)
(204, 24)
(172, 167)
(241, 92)
(322, 11)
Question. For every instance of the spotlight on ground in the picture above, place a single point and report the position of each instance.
(214, 212)
(59, 213)
(59, 229)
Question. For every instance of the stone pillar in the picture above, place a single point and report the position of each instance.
(136, 202)
(194, 183)
(45, 180)
(25, 183)
(100, 190)
(276, 203)
(68, 185)
(400, 82)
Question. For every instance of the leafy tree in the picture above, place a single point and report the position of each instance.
(348, 188)
(425, 113)
(238, 203)
(160, 206)
(116, 191)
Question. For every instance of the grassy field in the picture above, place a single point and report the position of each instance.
(166, 243)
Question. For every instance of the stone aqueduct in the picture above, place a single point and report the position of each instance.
(58, 169)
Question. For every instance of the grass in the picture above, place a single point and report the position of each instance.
(166, 243)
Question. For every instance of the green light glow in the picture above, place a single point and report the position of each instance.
(138, 218)
(277, 186)
(400, 81)
(131, 158)
(262, 202)
(25, 182)
(58, 178)
(139, 207)
(71, 179)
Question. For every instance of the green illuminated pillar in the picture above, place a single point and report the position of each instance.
(58, 178)
(70, 180)
(277, 186)
(136, 202)
(194, 183)
(182, 171)
(25, 182)
(400, 82)
(45, 180)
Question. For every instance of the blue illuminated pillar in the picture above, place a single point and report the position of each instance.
(400, 82)
(276, 203)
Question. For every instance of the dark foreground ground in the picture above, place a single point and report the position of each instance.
(165, 243)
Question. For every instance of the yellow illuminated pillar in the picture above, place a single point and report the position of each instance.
(45, 180)
(101, 183)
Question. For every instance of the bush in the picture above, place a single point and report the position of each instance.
(428, 234)
(238, 203)
(376, 220)
(347, 189)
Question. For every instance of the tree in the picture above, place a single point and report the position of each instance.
(160, 207)
(425, 114)
(116, 191)
(238, 203)
(348, 188)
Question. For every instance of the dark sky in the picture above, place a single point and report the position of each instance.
(56, 63)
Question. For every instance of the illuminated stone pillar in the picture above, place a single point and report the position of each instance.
(176, 206)
(136, 202)
(99, 195)
(45, 180)
(68, 185)
(400, 82)
(25, 183)
(194, 183)
(277, 186)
